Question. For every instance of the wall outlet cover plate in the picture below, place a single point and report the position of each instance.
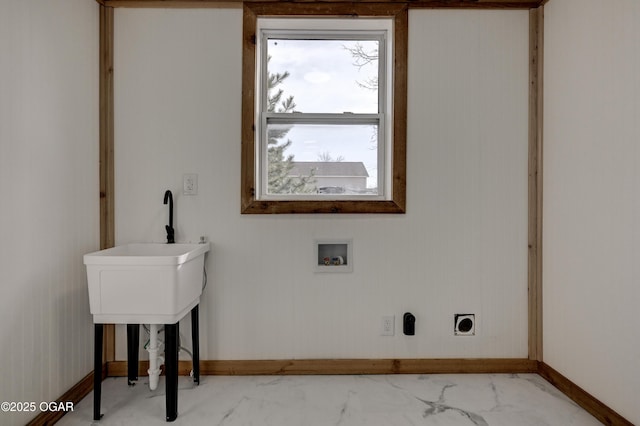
(464, 325)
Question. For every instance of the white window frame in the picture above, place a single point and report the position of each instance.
(367, 28)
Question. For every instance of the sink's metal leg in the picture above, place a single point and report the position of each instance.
(171, 333)
(195, 338)
(97, 370)
(133, 347)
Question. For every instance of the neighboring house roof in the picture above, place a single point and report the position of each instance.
(329, 168)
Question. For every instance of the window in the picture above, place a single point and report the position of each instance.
(324, 109)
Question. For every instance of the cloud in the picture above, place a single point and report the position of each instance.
(322, 76)
(317, 77)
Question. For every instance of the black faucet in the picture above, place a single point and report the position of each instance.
(168, 196)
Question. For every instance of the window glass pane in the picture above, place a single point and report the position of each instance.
(329, 76)
(322, 159)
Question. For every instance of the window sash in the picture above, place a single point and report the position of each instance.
(397, 18)
(384, 140)
(345, 119)
(380, 36)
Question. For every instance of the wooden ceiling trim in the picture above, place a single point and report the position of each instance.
(448, 4)
(175, 4)
(480, 4)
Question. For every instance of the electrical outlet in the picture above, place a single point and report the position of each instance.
(464, 325)
(190, 184)
(388, 325)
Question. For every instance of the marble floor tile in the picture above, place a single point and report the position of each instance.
(371, 400)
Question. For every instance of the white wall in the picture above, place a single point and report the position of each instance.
(592, 197)
(461, 247)
(48, 196)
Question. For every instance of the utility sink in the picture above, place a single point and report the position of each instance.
(145, 283)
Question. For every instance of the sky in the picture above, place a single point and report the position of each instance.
(323, 78)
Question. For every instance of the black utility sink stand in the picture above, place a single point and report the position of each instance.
(171, 347)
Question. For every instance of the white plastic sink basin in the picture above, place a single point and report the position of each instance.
(145, 283)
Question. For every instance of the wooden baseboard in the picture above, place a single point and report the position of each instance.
(581, 397)
(369, 366)
(75, 395)
(343, 366)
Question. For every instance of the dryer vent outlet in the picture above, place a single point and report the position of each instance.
(464, 325)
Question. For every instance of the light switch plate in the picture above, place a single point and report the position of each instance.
(190, 184)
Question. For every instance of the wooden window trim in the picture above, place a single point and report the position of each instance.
(249, 203)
